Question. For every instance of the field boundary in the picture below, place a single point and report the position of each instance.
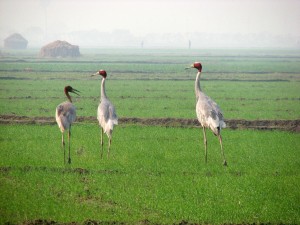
(287, 125)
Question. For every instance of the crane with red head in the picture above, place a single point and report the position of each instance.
(106, 113)
(208, 112)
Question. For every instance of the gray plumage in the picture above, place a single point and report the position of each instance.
(65, 115)
(106, 113)
(208, 113)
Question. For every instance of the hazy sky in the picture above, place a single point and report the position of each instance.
(157, 16)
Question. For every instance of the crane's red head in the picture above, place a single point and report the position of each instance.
(70, 89)
(197, 65)
(101, 73)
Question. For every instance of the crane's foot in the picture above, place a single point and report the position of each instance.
(224, 163)
(69, 161)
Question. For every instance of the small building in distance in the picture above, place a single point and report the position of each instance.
(15, 41)
(59, 49)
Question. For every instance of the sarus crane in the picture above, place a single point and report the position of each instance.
(208, 112)
(65, 115)
(106, 113)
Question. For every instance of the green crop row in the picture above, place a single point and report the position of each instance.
(153, 98)
(158, 61)
(210, 66)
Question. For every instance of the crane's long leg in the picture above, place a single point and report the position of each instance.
(101, 142)
(63, 145)
(109, 143)
(222, 151)
(205, 143)
(69, 137)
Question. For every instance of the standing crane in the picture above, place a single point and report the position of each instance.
(106, 113)
(65, 116)
(208, 112)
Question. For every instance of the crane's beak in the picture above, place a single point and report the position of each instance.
(75, 91)
(191, 66)
(95, 74)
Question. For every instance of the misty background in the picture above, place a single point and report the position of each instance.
(154, 24)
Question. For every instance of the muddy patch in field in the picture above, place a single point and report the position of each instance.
(288, 125)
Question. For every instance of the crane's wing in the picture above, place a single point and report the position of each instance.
(112, 114)
(216, 110)
(209, 114)
(107, 116)
(65, 115)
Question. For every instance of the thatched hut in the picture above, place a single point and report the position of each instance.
(15, 41)
(60, 49)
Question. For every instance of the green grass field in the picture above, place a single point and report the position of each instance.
(154, 83)
(155, 175)
(154, 98)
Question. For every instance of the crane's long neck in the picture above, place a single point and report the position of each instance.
(197, 85)
(68, 96)
(103, 94)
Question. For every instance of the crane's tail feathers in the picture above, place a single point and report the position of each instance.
(63, 123)
(216, 125)
(115, 122)
(110, 126)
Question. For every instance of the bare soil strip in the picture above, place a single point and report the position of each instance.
(287, 125)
